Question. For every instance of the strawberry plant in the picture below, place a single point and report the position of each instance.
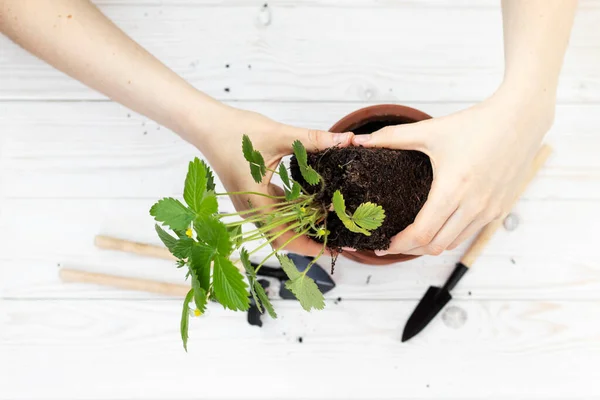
(204, 241)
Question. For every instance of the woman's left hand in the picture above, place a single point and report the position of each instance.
(479, 158)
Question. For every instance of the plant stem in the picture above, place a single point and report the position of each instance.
(274, 237)
(252, 193)
(287, 204)
(281, 247)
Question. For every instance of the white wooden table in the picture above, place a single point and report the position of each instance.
(73, 165)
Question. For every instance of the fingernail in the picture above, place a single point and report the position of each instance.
(362, 138)
(348, 249)
(381, 252)
(339, 138)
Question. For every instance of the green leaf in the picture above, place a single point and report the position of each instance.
(183, 247)
(339, 206)
(264, 299)
(308, 173)
(168, 240)
(200, 295)
(208, 205)
(200, 259)
(304, 288)
(185, 317)
(258, 168)
(369, 216)
(229, 286)
(195, 185)
(210, 179)
(214, 233)
(294, 193)
(233, 232)
(245, 259)
(284, 176)
(173, 213)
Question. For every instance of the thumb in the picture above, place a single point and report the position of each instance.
(315, 140)
(407, 137)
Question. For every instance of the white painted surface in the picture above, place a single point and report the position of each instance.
(71, 169)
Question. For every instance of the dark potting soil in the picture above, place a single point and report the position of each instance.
(397, 180)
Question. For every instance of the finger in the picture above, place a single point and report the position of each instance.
(469, 231)
(408, 136)
(457, 223)
(440, 205)
(315, 140)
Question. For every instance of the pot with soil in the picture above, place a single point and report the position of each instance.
(397, 180)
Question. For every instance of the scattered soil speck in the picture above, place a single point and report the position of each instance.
(69, 16)
(427, 385)
(265, 5)
(227, 89)
(300, 339)
(249, 66)
(469, 292)
(284, 333)
(368, 279)
(145, 132)
(143, 123)
(512, 260)
(128, 115)
(226, 65)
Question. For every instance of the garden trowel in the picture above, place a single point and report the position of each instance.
(436, 298)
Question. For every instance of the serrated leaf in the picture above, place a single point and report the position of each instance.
(183, 247)
(307, 292)
(200, 261)
(168, 240)
(208, 205)
(229, 286)
(185, 318)
(200, 295)
(339, 206)
(173, 213)
(258, 168)
(283, 174)
(304, 288)
(233, 232)
(294, 193)
(308, 173)
(210, 178)
(245, 259)
(195, 185)
(264, 299)
(369, 216)
(214, 233)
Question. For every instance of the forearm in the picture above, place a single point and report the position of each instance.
(76, 38)
(536, 34)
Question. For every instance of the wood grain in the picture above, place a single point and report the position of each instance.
(131, 349)
(92, 150)
(405, 52)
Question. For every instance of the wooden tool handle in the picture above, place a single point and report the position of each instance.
(488, 231)
(143, 249)
(144, 285)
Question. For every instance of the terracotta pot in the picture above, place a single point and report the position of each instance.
(363, 121)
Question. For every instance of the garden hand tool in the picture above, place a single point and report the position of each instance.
(436, 298)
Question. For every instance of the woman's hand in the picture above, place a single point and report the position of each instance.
(223, 149)
(479, 158)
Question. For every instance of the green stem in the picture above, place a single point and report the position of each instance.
(314, 260)
(278, 206)
(274, 237)
(263, 231)
(252, 193)
(281, 247)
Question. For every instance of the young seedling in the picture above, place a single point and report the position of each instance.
(204, 240)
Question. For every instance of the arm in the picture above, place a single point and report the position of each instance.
(479, 155)
(76, 38)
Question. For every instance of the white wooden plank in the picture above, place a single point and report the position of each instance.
(102, 150)
(404, 52)
(551, 255)
(131, 349)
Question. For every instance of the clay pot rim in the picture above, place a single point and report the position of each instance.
(361, 117)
